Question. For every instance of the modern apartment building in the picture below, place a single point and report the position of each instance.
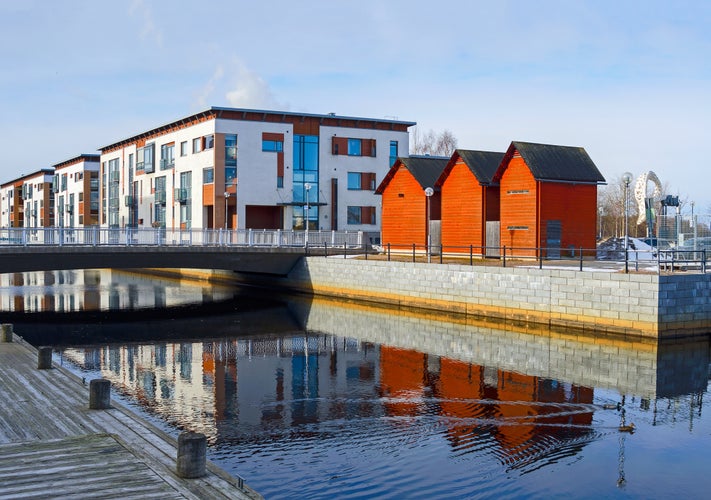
(242, 168)
(28, 201)
(76, 191)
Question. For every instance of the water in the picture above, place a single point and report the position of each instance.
(312, 399)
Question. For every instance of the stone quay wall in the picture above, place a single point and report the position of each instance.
(638, 305)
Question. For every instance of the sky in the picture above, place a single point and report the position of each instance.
(629, 81)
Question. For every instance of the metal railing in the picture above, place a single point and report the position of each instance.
(99, 236)
(651, 260)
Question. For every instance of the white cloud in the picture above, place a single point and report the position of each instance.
(250, 90)
(205, 94)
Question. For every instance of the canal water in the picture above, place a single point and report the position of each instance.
(318, 399)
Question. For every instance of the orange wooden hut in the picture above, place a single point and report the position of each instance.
(548, 199)
(404, 203)
(470, 199)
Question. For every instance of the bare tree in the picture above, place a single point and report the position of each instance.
(431, 143)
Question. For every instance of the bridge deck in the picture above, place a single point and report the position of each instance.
(53, 445)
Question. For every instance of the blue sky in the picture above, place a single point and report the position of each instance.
(627, 80)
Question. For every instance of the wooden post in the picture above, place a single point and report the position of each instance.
(6, 332)
(192, 453)
(44, 358)
(100, 394)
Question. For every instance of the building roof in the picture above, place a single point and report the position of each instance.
(483, 164)
(92, 157)
(26, 177)
(552, 163)
(331, 119)
(425, 169)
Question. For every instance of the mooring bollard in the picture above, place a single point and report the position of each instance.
(100, 394)
(6, 332)
(192, 453)
(44, 358)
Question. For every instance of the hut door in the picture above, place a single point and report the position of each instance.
(553, 239)
(493, 238)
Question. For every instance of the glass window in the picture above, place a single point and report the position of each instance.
(361, 215)
(393, 152)
(184, 148)
(167, 156)
(353, 180)
(230, 175)
(208, 175)
(353, 215)
(280, 181)
(354, 147)
(197, 142)
(272, 146)
(231, 150)
(209, 141)
(148, 156)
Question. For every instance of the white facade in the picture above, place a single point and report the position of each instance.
(7, 203)
(76, 192)
(176, 176)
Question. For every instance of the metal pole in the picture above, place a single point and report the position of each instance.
(307, 186)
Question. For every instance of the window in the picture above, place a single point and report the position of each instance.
(197, 145)
(184, 148)
(64, 182)
(280, 181)
(393, 152)
(361, 215)
(208, 142)
(272, 146)
(208, 175)
(167, 156)
(149, 158)
(230, 150)
(361, 181)
(354, 147)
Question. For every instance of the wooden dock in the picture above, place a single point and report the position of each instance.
(53, 446)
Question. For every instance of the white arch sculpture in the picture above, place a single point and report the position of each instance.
(640, 193)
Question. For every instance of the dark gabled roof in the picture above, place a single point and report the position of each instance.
(483, 164)
(548, 162)
(425, 169)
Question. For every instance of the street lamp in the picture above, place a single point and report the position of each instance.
(693, 224)
(428, 194)
(227, 197)
(307, 187)
(626, 179)
(600, 211)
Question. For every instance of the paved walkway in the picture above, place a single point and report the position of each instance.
(53, 446)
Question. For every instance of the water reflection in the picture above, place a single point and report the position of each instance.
(315, 399)
(99, 290)
(407, 394)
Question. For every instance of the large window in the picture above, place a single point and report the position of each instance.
(361, 181)
(393, 152)
(167, 156)
(361, 215)
(197, 144)
(209, 142)
(184, 148)
(208, 175)
(354, 147)
(230, 150)
(305, 183)
(272, 146)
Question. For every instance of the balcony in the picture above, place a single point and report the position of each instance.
(167, 163)
(129, 200)
(181, 195)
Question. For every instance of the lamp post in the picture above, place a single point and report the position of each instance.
(307, 187)
(227, 197)
(599, 212)
(428, 194)
(626, 179)
(693, 224)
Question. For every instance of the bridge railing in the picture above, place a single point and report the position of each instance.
(99, 236)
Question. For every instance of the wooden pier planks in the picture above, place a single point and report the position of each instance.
(53, 445)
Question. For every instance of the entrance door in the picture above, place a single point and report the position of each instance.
(553, 239)
(493, 239)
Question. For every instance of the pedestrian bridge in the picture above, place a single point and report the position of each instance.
(247, 251)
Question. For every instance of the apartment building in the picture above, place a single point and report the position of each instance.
(28, 201)
(75, 185)
(242, 168)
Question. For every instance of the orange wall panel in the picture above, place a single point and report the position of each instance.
(519, 204)
(404, 211)
(575, 205)
(462, 210)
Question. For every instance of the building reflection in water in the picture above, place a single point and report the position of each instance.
(526, 399)
(98, 290)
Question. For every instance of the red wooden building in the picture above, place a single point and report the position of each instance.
(470, 200)
(548, 199)
(404, 203)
